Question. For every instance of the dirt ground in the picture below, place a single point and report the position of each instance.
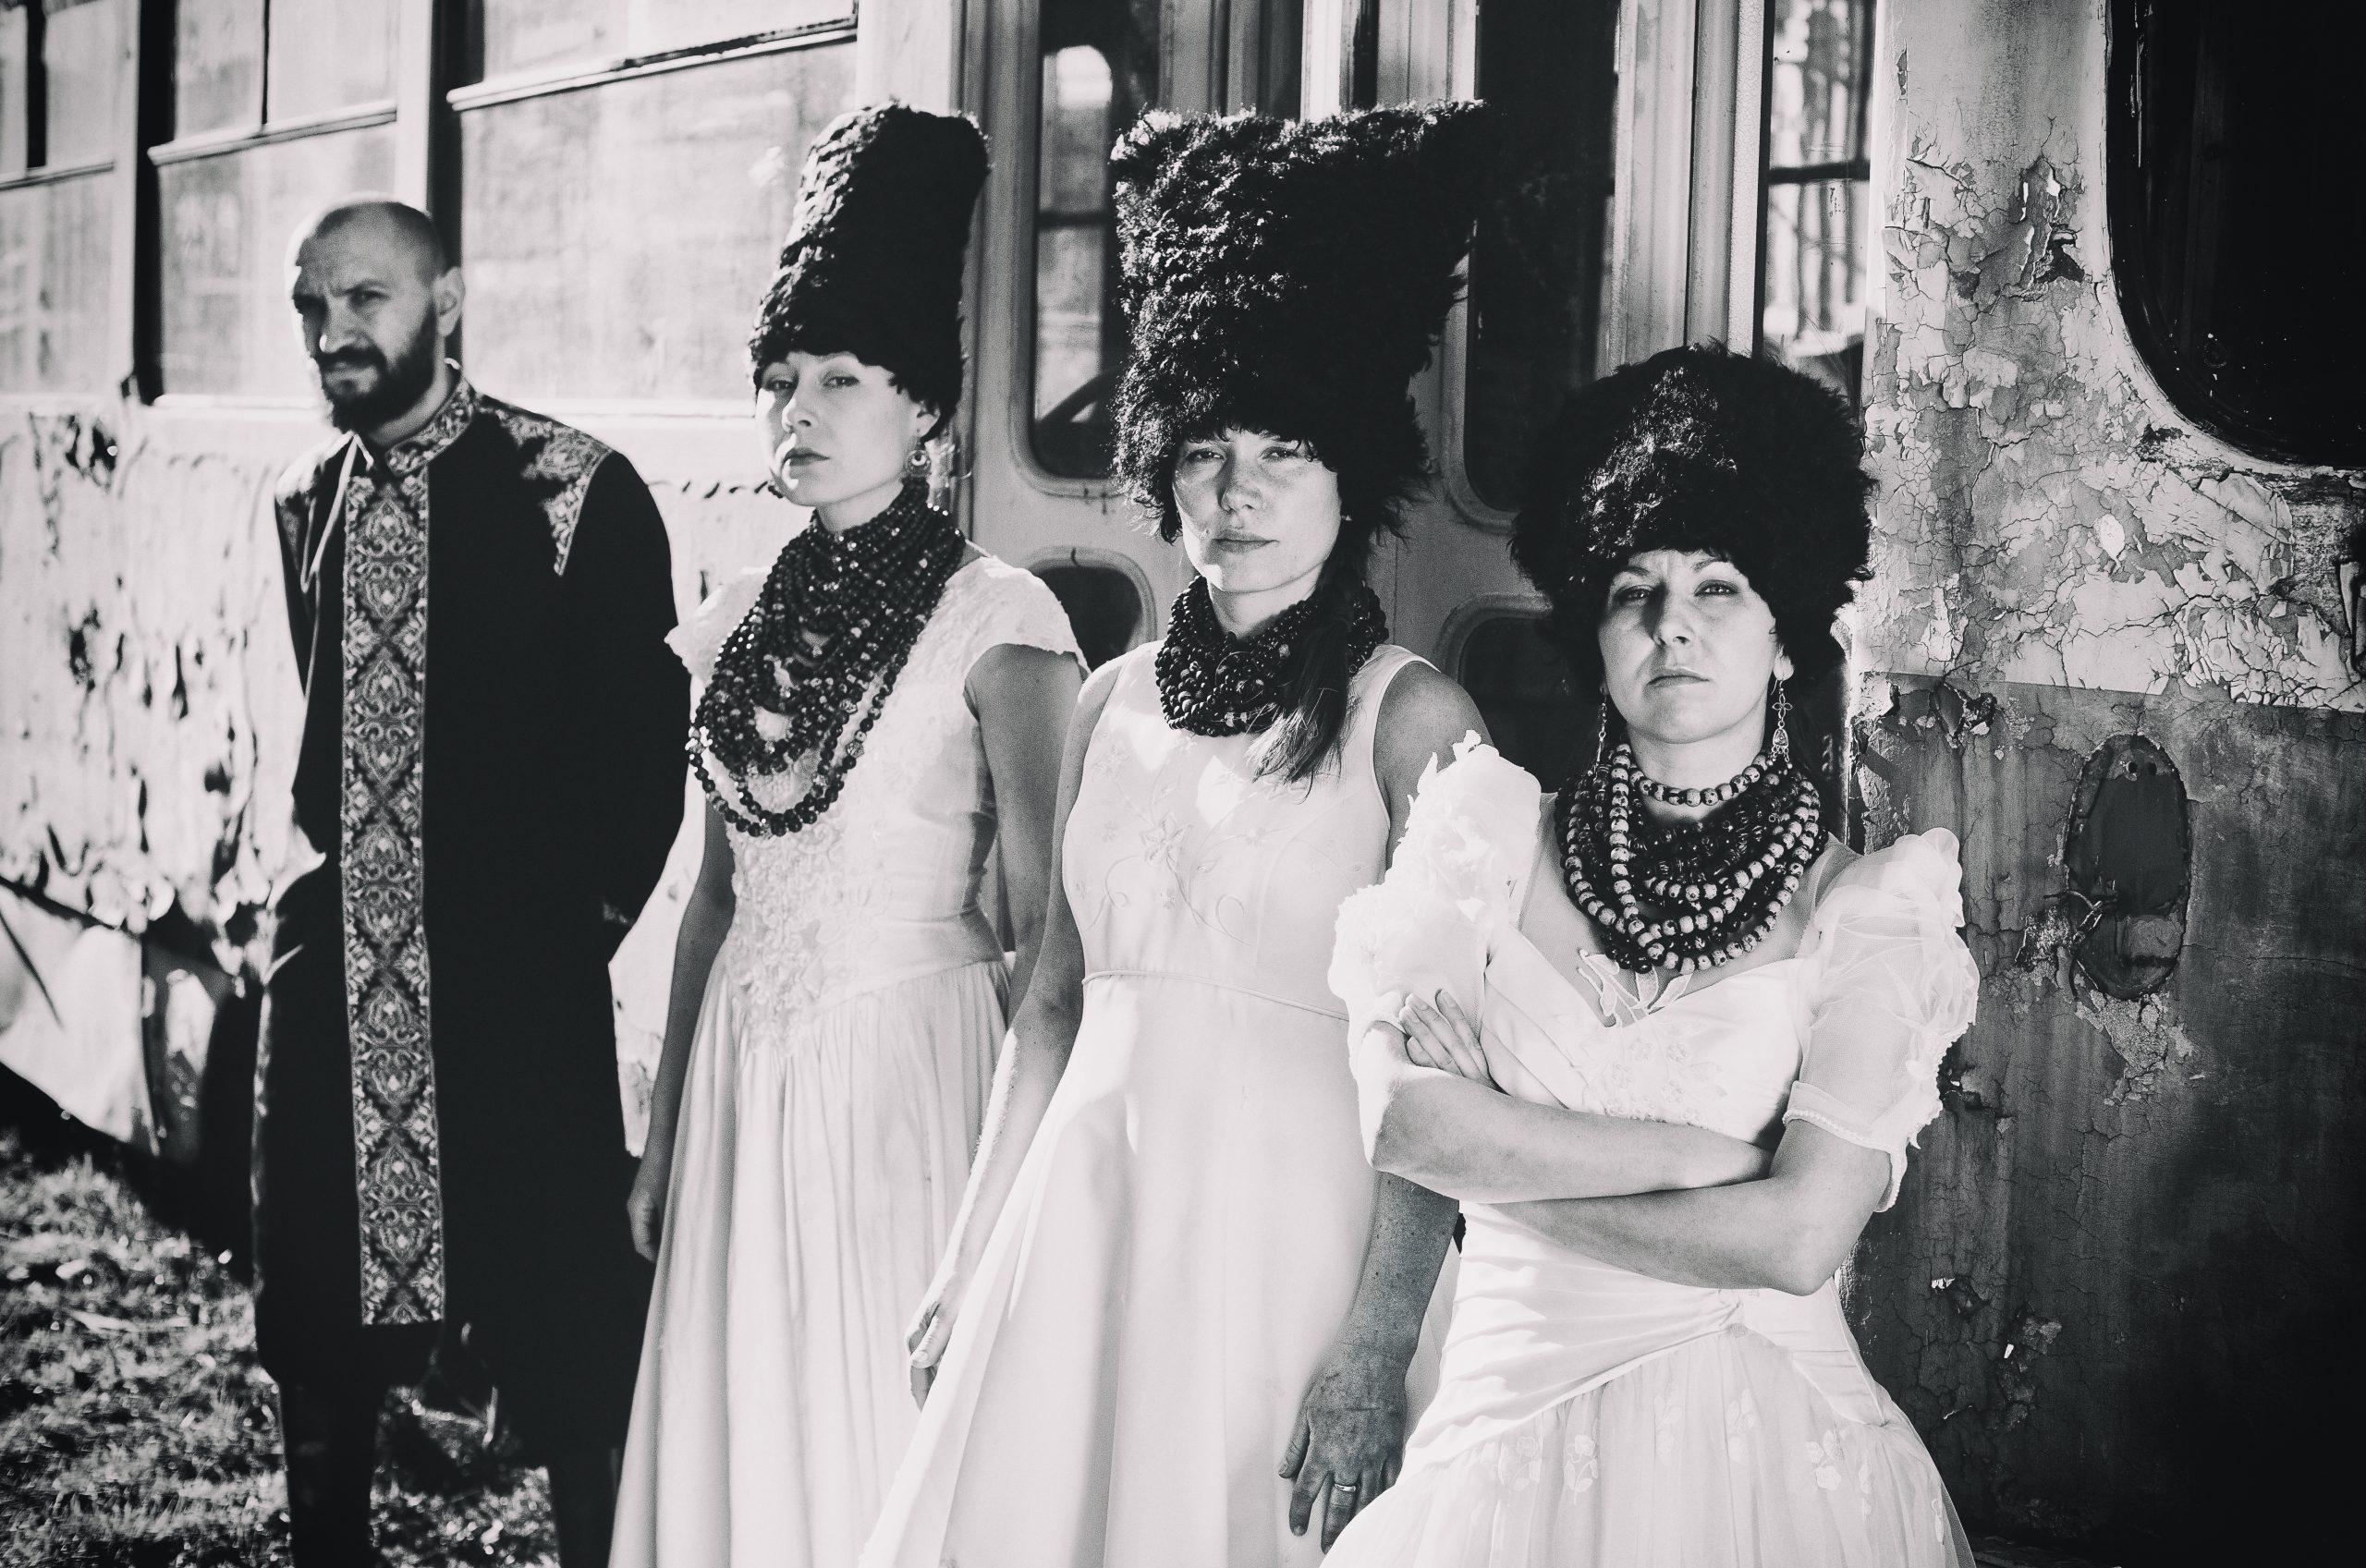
(135, 1425)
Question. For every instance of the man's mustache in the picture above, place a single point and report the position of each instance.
(351, 360)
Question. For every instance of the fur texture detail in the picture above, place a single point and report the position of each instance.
(1290, 277)
(872, 263)
(1700, 448)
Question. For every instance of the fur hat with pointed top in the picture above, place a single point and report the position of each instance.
(872, 265)
(1291, 277)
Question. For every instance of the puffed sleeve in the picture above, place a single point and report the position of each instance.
(1455, 880)
(698, 639)
(1894, 987)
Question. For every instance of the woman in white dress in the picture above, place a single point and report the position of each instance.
(1180, 1314)
(1672, 944)
(876, 710)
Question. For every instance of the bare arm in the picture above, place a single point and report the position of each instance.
(1042, 1034)
(706, 920)
(1788, 1232)
(1023, 698)
(1444, 1124)
(1351, 1425)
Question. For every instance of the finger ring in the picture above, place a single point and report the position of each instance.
(1344, 1487)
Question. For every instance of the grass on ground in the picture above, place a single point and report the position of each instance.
(136, 1429)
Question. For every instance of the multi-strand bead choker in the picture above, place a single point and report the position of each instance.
(1211, 684)
(809, 670)
(1714, 888)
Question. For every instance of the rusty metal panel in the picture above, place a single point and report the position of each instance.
(2132, 1244)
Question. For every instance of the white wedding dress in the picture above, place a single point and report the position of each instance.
(1187, 1230)
(839, 1073)
(1587, 1415)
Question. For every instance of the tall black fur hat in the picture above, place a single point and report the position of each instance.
(872, 265)
(1290, 277)
(1700, 449)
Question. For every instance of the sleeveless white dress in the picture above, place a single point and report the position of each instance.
(1589, 1414)
(844, 1050)
(1186, 1228)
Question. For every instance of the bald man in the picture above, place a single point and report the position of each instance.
(489, 779)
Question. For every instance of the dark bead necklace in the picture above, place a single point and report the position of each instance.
(1718, 885)
(838, 613)
(1211, 683)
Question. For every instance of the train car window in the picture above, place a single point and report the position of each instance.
(1816, 234)
(1539, 264)
(57, 115)
(1105, 608)
(77, 48)
(217, 64)
(310, 83)
(1522, 686)
(617, 236)
(1100, 70)
(322, 56)
(224, 223)
(515, 36)
(2239, 276)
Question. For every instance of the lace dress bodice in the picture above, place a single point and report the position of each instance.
(884, 887)
(1182, 861)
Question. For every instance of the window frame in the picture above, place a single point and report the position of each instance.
(454, 102)
(1216, 46)
(133, 21)
(1684, 222)
(1858, 169)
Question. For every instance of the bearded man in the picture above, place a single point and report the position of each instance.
(490, 776)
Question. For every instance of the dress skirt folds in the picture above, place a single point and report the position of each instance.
(1185, 1235)
(813, 1188)
(844, 1051)
(1587, 1415)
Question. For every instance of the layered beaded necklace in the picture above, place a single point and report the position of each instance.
(1211, 683)
(1718, 884)
(795, 678)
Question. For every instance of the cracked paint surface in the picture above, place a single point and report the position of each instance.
(2133, 1234)
(148, 719)
(2046, 514)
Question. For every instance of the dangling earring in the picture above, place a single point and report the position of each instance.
(1602, 733)
(1782, 747)
(918, 461)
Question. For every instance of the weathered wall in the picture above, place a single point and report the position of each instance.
(2122, 1260)
(149, 707)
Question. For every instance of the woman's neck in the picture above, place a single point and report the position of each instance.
(1243, 616)
(1694, 764)
(840, 517)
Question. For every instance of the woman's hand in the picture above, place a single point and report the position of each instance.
(932, 1325)
(1438, 1034)
(645, 1205)
(1350, 1436)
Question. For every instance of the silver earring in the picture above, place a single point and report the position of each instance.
(1601, 733)
(918, 461)
(1782, 722)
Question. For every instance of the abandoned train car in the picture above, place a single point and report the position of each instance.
(2112, 641)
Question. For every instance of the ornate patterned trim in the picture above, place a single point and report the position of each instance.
(397, 1159)
(557, 462)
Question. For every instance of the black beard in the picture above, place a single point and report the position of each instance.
(401, 383)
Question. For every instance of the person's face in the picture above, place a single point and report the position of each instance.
(1259, 512)
(374, 317)
(835, 428)
(1688, 647)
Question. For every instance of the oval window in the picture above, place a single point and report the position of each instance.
(2237, 242)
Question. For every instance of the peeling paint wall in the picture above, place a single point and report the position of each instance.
(149, 705)
(2047, 515)
(2127, 1255)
